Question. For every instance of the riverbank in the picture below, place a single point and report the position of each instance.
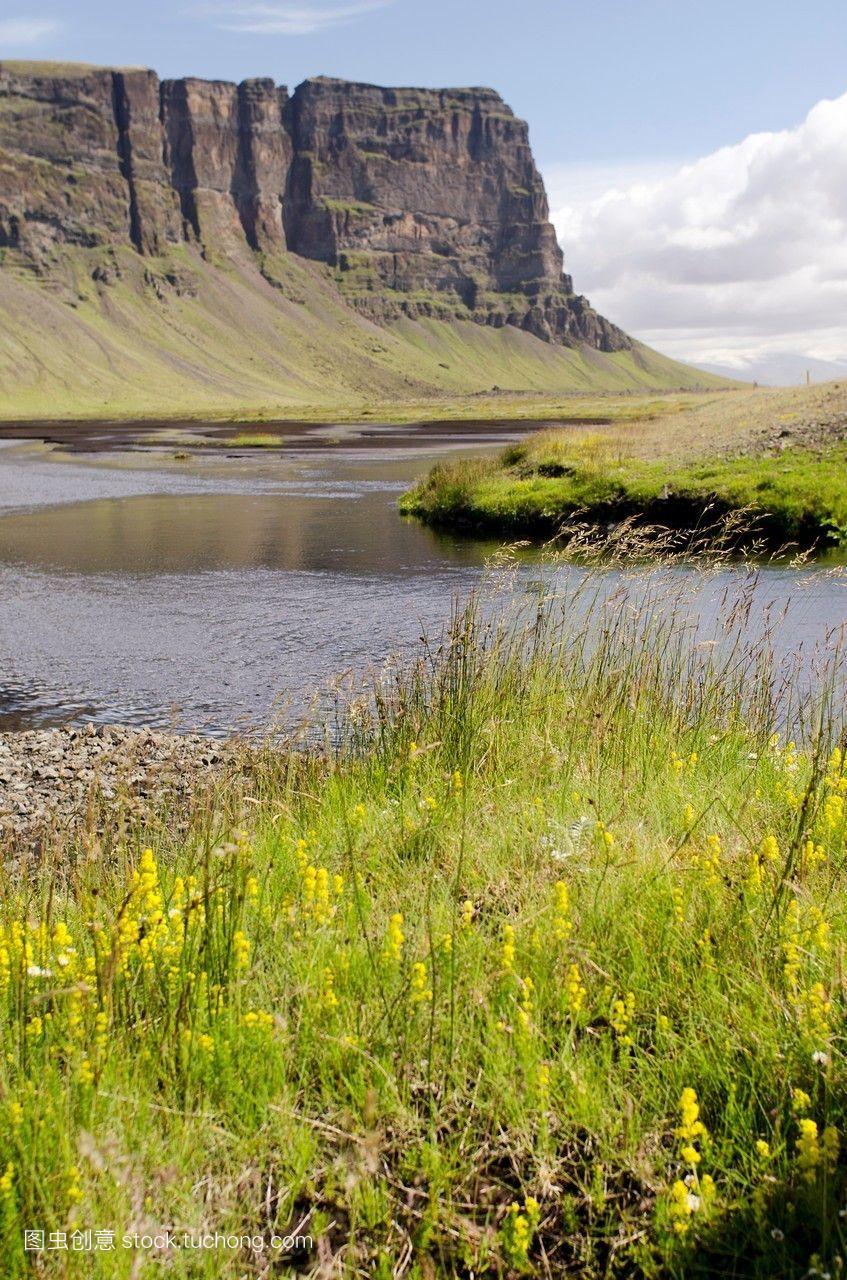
(59, 785)
(485, 408)
(535, 970)
(769, 465)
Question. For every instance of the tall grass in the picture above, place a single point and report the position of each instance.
(535, 967)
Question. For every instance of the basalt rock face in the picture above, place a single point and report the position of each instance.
(427, 201)
(228, 153)
(420, 202)
(61, 169)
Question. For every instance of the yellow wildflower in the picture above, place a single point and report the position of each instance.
(518, 1231)
(420, 992)
(74, 1189)
(101, 1027)
(682, 1204)
(712, 860)
(575, 992)
(240, 949)
(606, 837)
(755, 876)
(833, 811)
(791, 945)
(704, 945)
(525, 1004)
(769, 849)
(623, 1012)
(691, 1127)
(800, 1102)
(507, 948)
(813, 855)
(815, 1012)
(808, 1149)
(394, 939)
(259, 1018)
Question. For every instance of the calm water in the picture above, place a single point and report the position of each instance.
(227, 589)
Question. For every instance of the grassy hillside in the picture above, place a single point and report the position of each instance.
(539, 972)
(184, 336)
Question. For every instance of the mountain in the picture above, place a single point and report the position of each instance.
(780, 369)
(184, 244)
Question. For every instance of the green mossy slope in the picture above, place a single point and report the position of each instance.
(183, 336)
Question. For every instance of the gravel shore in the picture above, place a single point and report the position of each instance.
(61, 779)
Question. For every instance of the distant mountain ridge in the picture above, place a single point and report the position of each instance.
(402, 204)
(780, 369)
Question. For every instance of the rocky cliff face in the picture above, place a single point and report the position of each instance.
(419, 201)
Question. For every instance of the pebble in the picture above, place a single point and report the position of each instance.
(50, 777)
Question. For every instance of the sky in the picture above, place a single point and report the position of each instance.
(695, 153)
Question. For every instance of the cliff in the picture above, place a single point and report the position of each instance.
(420, 203)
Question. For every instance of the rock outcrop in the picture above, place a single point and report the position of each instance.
(420, 202)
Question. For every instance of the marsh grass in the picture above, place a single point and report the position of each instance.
(535, 966)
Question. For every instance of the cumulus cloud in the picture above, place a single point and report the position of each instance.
(290, 19)
(740, 253)
(16, 32)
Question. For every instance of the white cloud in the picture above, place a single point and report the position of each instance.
(581, 184)
(740, 253)
(22, 31)
(290, 19)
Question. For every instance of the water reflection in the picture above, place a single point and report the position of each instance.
(344, 531)
(224, 592)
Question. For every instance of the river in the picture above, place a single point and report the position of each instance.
(144, 580)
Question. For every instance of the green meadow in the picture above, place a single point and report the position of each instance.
(560, 477)
(529, 962)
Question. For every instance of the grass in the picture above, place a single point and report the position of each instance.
(28, 67)
(179, 336)
(535, 488)
(251, 440)
(536, 967)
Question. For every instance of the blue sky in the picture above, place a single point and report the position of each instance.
(695, 152)
(625, 79)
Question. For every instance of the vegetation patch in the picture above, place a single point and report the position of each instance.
(248, 344)
(251, 440)
(536, 971)
(554, 478)
(347, 206)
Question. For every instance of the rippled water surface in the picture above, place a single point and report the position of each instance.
(225, 588)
